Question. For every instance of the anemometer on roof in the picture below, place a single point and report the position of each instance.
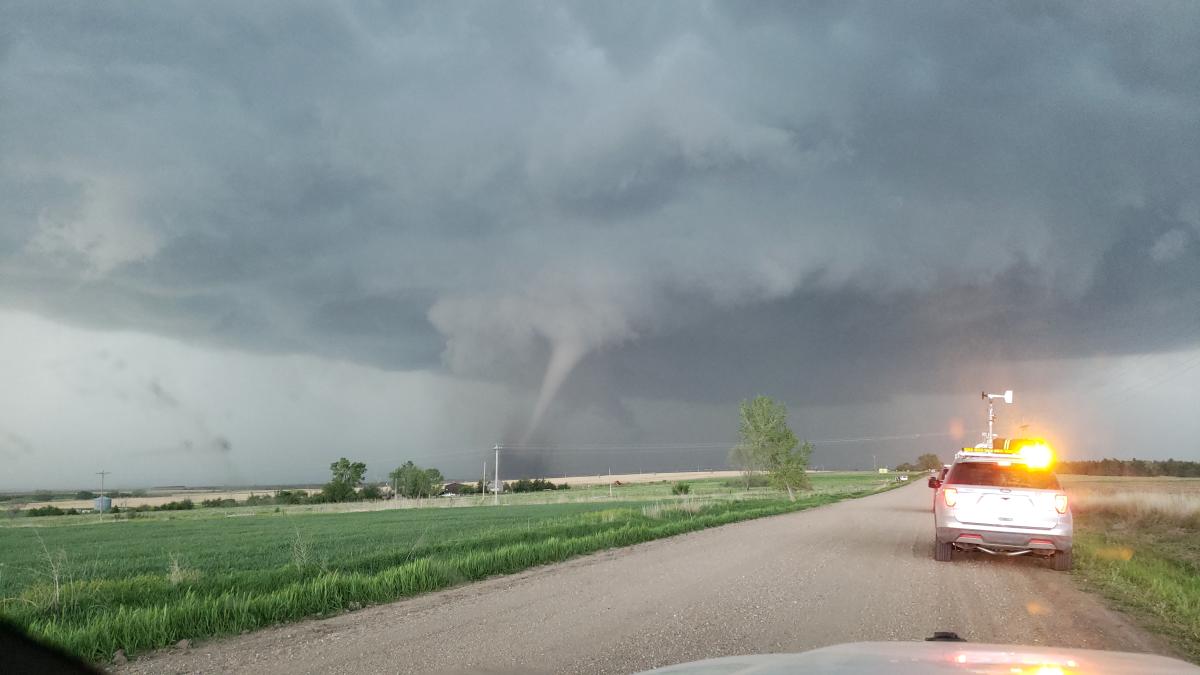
(1007, 397)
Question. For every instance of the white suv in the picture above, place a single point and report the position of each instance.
(999, 504)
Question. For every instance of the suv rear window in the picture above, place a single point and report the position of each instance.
(1014, 476)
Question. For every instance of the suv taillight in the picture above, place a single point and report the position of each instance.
(950, 495)
(1060, 503)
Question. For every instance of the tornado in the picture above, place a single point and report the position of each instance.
(564, 356)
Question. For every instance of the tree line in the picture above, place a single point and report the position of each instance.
(1131, 467)
(408, 480)
(926, 462)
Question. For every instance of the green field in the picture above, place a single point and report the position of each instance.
(1137, 541)
(148, 582)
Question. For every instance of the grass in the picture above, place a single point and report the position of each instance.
(1137, 541)
(94, 588)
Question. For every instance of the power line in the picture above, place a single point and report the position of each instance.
(671, 447)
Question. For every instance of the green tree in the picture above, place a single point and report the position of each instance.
(928, 462)
(745, 459)
(789, 469)
(436, 479)
(85, 494)
(412, 481)
(766, 439)
(347, 476)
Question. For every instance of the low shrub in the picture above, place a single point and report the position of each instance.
(527, 485)
(291, 497)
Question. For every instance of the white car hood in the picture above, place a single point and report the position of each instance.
(904, 658)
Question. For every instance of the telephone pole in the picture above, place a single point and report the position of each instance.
(496, 487)
(102, 474)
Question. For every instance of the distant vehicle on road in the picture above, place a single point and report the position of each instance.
(1003, 501)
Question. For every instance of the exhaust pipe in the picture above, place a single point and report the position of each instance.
(1008, 553)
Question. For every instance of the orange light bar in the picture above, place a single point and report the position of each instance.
(1037, 456)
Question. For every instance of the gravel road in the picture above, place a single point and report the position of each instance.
(857, 570)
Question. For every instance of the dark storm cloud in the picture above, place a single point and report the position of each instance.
(693, 201)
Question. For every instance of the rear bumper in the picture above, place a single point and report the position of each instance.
(1006, 539)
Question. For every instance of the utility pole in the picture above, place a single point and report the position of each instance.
(496, 487)
(610, 482)
(102, 474)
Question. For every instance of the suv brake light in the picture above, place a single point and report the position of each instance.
(1060, 503)
(950, 495)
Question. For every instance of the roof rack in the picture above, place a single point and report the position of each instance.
(985, 455)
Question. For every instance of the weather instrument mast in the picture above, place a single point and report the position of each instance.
(990, 437)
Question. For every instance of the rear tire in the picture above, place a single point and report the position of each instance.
(943, 552)
(1062, 561)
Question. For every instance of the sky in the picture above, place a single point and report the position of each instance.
(241, 240)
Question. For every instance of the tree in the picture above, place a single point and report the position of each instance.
(347, 476)
(789, 469)
(746, 459)
(766, 440)
(85, 494)
(928, 462)
(412, 481)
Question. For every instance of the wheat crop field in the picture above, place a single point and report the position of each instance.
(94, 586)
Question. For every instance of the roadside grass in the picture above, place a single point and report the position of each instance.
(142, 584)
(1138, 544)
(1146, 509)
